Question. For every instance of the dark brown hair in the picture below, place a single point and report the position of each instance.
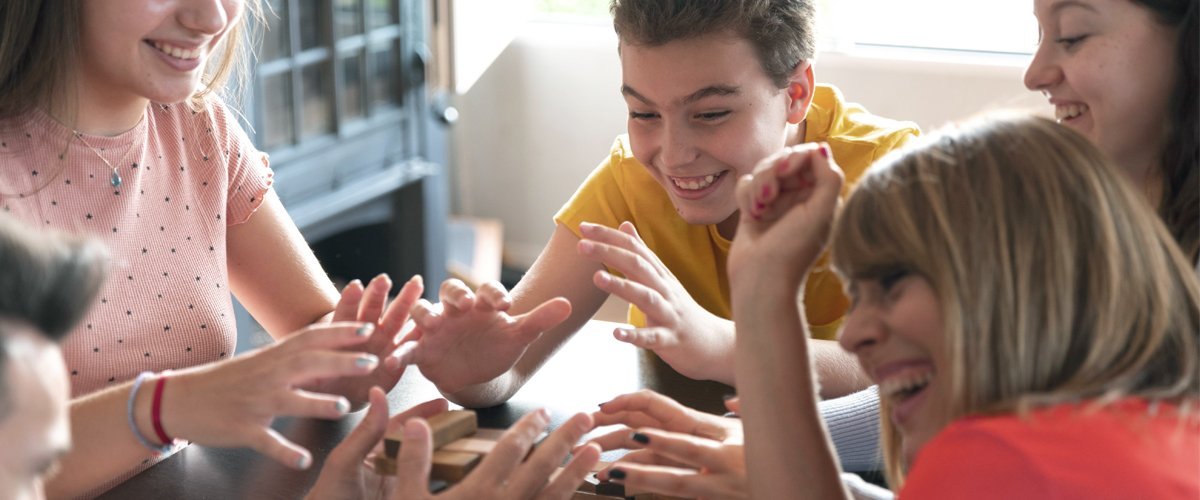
(782, 31)
(1180, 205)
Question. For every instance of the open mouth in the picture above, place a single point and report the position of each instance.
(696, 183)
(1067, 112)
(176, 52)
(906, 385)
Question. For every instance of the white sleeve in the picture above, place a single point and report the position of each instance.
(853, 423)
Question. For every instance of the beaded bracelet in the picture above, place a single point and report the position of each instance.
(137, 384)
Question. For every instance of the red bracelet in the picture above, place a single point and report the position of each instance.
(155, 411)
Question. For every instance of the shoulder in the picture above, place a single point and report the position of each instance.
(849, 125)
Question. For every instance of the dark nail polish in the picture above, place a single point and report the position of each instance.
(616, 474)
(641, 438)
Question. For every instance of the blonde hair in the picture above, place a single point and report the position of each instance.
(40, 44)
(1057, 281)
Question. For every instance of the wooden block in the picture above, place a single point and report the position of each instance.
(453, 466)
(472, 445)
(447, 427)
(385, 466)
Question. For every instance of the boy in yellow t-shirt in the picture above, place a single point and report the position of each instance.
(712, 88)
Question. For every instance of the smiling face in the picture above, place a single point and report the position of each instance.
(1108, 68)
(895, 328)
(35, 429)
(157, 50)
(703, 112)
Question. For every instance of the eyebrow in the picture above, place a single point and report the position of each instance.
(1059, 6)
(711, 90)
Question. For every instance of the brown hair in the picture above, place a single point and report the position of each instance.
(49, 282)
(39, 49)
(1180, 205)
(780, 30)
(1057, 281)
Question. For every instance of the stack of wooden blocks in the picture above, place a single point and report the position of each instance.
(459, 445)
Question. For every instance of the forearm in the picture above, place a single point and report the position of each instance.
(491, 393)
(837, 370)
(787, 447)
(102, 444)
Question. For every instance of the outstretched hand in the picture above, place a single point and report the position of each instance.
(370, 305)
(787, 208)
(470, 338)
(232, 404)
(692, 340)
(678, 451)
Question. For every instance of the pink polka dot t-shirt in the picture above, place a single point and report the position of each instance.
(185, 176)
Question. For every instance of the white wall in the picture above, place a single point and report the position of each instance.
(544, 115)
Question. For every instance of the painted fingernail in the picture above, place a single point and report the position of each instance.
(367, 360)
(343, 406)
(766, 191)
(641, 438)
(616, 474)
(365, 330)
(825, 150)
(303, 462)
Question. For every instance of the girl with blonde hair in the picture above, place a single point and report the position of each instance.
(1031, 323)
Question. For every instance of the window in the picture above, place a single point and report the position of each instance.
(325, 67)
(991, 26)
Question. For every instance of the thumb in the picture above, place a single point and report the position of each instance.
(544, 317)
(413, 465)
(365, 436)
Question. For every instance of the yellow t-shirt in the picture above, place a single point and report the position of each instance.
(621, 189)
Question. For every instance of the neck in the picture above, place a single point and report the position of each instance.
(1146, 176)
(100, 110)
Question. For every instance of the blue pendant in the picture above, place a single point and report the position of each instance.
(115, 180)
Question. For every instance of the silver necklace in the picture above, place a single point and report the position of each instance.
(115, 178)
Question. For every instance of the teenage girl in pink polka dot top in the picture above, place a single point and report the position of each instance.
(110, 127)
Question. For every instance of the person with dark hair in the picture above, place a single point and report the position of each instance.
(1126, 74)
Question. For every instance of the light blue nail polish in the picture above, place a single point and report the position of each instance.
(366, 360)
(365, 330)
(303, 462)
(343, 406)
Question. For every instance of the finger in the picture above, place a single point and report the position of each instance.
(405, 354)
(647, 297)
(374, 298)
(423, 410)
(648, 338)
(572, 475)
(301, 403)
(697, 452)
(644, 457)
(613, 440)
(425, 315)
(397, 313)
(347, 306)
(544, 317)
(664, 480)
(415, 460)
(622, 251)
(734, 405)
(354, 449)
(512, 447)
(531, 475)
(307, 366)
(455, 297)
(827, 177)
(661, 412)
(273, 445)
(322, 336)
(494, 296)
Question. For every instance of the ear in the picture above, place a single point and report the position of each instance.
(800, 91)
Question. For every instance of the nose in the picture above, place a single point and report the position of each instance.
(1043, 71)
(676, 147)
(862, 329)
(209, 16)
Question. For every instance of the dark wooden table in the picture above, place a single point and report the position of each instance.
(590, 369)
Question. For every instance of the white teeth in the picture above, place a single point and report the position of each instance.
(694, 183)
(902, 383)
(1066, 111)
(177, 52)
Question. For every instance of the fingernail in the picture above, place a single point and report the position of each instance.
(356, 281)
(766, 191)
(603, 277)
(367, 360)
(343, 406)
(586, 246)
(825, 150)
(622, 334)
(303, 462)
(616, 474)
(729, 396)
(641, 438)
(365, 330)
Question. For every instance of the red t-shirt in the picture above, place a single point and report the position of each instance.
(1129, 449)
